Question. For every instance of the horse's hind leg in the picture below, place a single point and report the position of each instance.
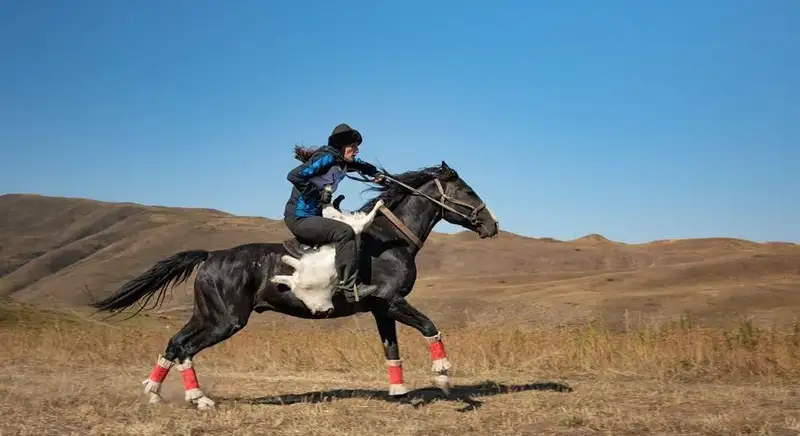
(152, 385)
(402, 311)
(387, 330)
(221, 310)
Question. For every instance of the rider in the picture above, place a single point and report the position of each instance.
(314, 182)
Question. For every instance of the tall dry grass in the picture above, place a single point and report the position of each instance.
(63, 374)
(679, 349)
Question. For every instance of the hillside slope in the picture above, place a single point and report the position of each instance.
(53, 249)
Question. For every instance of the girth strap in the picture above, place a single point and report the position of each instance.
(402, 227)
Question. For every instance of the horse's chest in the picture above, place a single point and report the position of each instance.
(398, 271)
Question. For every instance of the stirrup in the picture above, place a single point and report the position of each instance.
(357, 291)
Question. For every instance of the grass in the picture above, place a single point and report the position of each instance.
(64, 375)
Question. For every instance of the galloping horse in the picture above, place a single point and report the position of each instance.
(234, 282)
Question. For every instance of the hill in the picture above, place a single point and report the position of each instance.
(60, 251)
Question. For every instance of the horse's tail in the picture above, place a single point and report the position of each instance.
(174, 269)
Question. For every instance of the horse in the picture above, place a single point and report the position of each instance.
(235, 282)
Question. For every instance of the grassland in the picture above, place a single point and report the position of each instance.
(67, 373)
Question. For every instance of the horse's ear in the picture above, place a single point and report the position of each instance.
(447, 172)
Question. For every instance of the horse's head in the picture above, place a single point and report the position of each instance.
(461, 205)
(443, 190)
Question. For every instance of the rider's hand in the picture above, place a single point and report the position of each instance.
(379, 178)
(326, 194)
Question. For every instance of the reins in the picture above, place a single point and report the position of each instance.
(472, 217)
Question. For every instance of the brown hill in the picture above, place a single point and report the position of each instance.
(53, 249)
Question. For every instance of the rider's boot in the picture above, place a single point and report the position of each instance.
(350, 286)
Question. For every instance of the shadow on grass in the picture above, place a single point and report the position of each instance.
(416, 398)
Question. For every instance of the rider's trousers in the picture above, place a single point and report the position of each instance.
(324, 230)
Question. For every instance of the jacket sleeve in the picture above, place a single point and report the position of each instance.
(362, 166)
(301, 174)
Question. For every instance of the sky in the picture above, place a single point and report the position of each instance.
(636, 120)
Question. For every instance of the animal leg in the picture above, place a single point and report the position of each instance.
(402, 311)
(283, 279)
(152, 384)
(291, 261)
(387, 330)
(219, 314)
(360, 225)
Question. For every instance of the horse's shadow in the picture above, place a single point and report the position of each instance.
(416, 398)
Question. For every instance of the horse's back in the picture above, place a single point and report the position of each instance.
(255, 259)
(250, 249)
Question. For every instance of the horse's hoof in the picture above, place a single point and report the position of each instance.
(442, 381)
(155, 399)
(205, 403)
(398, 391)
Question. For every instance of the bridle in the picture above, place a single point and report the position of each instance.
(475, 210)
(472, 217)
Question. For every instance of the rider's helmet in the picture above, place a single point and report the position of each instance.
(343, 135)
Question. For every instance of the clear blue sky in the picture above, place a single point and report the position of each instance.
(633, 119)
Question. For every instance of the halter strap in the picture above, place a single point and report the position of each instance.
(472, 217)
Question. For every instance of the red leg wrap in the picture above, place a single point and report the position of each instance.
(189, 378)
(437, 350)
(396, 375)
(159, 373)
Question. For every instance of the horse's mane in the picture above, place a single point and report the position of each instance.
(392, 192)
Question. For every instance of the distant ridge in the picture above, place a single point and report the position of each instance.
(54, 249)
(594, 238)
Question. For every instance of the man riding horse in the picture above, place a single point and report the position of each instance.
(313, 183)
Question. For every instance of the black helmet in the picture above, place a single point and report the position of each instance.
(343, 135)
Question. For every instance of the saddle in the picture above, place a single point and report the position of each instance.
(298, 247)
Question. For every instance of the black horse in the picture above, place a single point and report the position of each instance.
(234, 282)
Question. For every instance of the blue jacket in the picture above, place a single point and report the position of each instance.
(325, 167)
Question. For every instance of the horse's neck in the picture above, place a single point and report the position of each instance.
(419, 214)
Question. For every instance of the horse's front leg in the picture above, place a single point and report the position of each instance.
(402, 311)
(387, 330)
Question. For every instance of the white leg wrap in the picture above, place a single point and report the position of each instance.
(396, 388)
(193, 393)
(439, 365)
(153, 387)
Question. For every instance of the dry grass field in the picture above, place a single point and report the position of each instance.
(546, 337)
(64, 374)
